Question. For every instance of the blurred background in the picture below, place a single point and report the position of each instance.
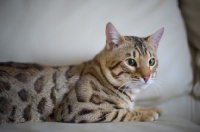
(64, 32)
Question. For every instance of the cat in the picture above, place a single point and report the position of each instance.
(100, 90)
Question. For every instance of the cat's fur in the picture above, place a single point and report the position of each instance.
(100, 90)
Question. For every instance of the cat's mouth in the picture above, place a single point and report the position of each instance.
(141, 84)
(135, 85)
(137, 88)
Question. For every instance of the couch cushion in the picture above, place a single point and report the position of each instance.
(164, 124)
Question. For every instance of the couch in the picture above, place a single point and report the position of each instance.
(59, 33)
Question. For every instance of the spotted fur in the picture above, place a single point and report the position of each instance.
(100, 90)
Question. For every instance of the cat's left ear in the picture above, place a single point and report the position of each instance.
(154, 39)
(113, 38)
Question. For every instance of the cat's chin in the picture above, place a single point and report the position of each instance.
(144, 86)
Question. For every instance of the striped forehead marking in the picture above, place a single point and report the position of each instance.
(138, 44)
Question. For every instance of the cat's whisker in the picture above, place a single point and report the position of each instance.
(127, 84)
(161, 89)
(132, 79)
(158, 81)
(158, 88)
(127, 87)
(157, 91)
(132, 84)
(158, 78)
(160, 85)
(122, 86)
(130, 87)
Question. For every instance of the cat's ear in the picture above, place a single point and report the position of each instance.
(154, 39)
(113, 38)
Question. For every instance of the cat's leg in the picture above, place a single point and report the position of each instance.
(139, 114)
(155, 109)
(117, 115)
(146, 115)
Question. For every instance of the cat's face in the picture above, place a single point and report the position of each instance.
(130, 62)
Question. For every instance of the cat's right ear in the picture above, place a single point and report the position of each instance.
(113, 38)
(154, 39)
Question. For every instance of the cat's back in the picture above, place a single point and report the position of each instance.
(27, 90)
(23, 76)
(11, 69)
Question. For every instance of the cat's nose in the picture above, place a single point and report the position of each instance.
(146, 78)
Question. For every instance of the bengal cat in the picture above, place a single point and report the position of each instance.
(100, 90)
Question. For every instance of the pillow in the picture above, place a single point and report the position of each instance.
(70, 32)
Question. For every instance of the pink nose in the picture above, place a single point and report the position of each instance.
(146, 78)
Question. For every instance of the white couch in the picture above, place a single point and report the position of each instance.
(70, 32)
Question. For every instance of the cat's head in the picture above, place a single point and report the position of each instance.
(130, 61)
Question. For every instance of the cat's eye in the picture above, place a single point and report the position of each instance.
(131, 62)
(151, 61)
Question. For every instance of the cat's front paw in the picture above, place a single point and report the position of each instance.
(147, 114)
(151, 114)
(157, 110)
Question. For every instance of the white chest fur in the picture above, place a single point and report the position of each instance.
(132, 94)
(131, 105)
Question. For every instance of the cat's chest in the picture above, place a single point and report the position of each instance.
(132, 97)
(128, 105)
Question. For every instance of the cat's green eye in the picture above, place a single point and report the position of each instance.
(131, 62)
(151, 61)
